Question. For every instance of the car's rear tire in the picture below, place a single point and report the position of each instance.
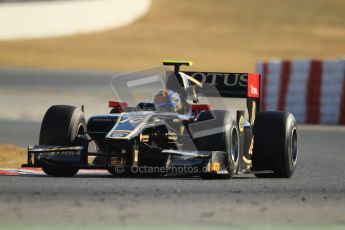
(227, 140)
(61, 126)
(275, 144)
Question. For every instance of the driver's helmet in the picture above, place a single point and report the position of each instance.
(167, 101)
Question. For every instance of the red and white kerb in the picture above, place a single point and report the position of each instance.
(314, 91)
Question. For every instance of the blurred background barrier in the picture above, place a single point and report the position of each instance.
(313, 90)
(41, 19)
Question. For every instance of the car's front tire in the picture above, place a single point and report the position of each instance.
(61, 126)
(60, 171)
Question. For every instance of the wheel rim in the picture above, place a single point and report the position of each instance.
(293, 147)
(234, 145)
(81, 129)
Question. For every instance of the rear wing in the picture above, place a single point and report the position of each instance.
(236, 85)
(240, 85)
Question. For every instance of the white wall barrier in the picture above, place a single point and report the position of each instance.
(41, 19)
(313, 90)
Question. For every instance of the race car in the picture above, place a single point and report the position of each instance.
(178, 132)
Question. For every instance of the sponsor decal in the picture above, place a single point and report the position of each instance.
(253, 85)
(241, 124)
(222, 79)
(104, 120)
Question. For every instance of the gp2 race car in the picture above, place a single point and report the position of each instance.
(186, 137)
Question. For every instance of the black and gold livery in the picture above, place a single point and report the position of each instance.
(211, 143)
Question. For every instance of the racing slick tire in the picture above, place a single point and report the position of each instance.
(61, 125)
(275, 144)
(227, 140)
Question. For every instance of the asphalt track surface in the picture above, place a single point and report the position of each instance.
(314, 196)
